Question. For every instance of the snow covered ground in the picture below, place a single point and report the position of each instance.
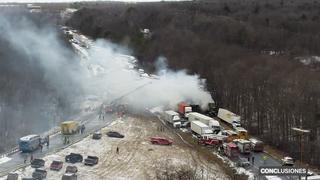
(137, 159)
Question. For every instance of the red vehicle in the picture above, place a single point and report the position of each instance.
(160, 141)
(209, 141)
(231, 149)
(56, 165)
(184, 108)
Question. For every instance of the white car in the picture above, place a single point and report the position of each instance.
(287, 161)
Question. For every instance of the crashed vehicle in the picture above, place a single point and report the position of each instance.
(74, 158)
(37, 163)
(91, 161)
(160, 141)
(56, 165)
(114, 134)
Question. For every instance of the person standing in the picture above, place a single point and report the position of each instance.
(48, 141)
(41, 147)
(117, 150)
(31, 157)
(252, 159)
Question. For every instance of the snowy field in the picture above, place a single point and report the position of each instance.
(137, 159)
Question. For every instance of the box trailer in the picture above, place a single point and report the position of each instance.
(242, 133)
(228, 116)
(69, 127)
(200, 128)
(212, 123)
(173, 118)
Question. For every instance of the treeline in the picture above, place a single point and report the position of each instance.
(247, 50)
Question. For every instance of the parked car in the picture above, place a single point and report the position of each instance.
(97, 135)
(243, 162)
(71, 169)
(287, 161)
(160, 141)
(28, 178)
(115, 134)
(39, 173)
(69, 176)
(13, 176)
(37, 163)
(74, 158)
(56, 165)
(91, 160)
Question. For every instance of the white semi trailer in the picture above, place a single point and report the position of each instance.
(228, 116)
(200, 128)
(212, 123)
(173, 118)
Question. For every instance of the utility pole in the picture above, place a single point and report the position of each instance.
(300, 132)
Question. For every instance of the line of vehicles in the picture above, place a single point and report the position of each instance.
(71, 170)
(205, 125)
(33, 142)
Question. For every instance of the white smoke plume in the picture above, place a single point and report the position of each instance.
(103, 71)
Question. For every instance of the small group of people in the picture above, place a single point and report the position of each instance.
(252, 160)
(26, 158)
(66, 140)
(160, 128)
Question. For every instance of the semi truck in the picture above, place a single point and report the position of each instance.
(184, 109)
(69, 127)
(242, 133)
(200, 128)
(243, 145)
(212, 123)
(228, 116)
(173, 118)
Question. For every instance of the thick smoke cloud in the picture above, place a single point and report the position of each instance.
(117, 80)
(43, 77)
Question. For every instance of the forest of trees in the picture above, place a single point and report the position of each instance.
(246, 49)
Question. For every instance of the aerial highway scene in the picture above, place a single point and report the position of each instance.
(163, 90)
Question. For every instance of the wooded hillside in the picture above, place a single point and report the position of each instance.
(247, 50)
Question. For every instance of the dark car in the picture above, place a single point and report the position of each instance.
(28, 178)
(56, 165)
(243, 162)
(115, 134)
(91, 160)
(39, 174)
(37, 163)
(13, 176)
(69, 176)
(97, 135)
(71, 169)
(74, 158)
